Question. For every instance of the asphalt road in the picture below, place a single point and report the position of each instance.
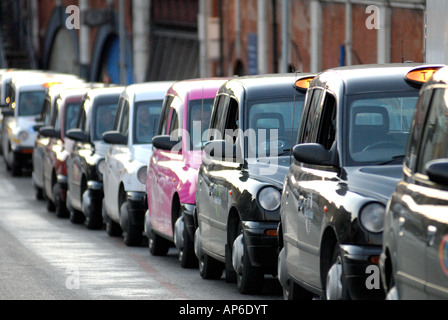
(46, 258)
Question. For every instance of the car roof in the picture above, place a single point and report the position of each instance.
(261, 86)
(369, 78)
(99, 92)
(196, 88)
(147, 90)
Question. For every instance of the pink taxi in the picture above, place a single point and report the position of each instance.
(174, 164)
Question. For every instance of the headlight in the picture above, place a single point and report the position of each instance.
(269, 198)
(23, 135)
(371, 217)
(141, 174)
(101, 167)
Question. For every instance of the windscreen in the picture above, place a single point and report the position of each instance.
(378, 127)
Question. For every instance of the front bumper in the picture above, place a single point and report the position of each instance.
(262, 248)
(362, 275)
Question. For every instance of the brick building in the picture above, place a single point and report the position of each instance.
(180, 39)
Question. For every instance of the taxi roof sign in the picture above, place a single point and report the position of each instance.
(303, 84)
(421, 75)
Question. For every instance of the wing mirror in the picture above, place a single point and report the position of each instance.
(437, 171)
(115, 137)
(316, 154)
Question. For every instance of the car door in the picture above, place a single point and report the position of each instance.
(222, 178)
(163, 164)
(298, 227)
(152, 183)
(431, 200)
(207, 202)
(74, 167)
(114, 162)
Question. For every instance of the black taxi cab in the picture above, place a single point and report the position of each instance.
(347, 161)
(414, 261)
(253, 124)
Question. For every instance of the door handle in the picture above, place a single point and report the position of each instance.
(210, 191)
(401, 222)
(301, 203)
(431, 235)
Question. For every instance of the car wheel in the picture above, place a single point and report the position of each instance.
(132, 235)
(158, 246)
(50, 204)
(336, 288)
(60, 207)
(185, 245)
(76, 216)
(209, 268)
(249, 279)
(38, 192)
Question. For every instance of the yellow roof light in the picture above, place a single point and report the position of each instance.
(304, 83)
(421, 75)
(50, 84)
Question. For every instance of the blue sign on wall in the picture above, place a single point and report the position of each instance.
(252, 52)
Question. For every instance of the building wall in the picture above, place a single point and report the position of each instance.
(407, 31)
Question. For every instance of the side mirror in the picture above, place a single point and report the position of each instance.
(220, 150)
(316, 154)
(115, 137)
(49, 132)
(437, 171)
(78, 135)
(37, 127)
(165, 142)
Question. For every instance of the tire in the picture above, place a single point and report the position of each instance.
(158, 246)
(60, 207)
(209, 268)
(113, 229)
(187, 257)
(50, 204)
(38, 192)
(93, 214)
(249, 278)
(336, 287)
(295, 292)
(132, 235)
(76, 216)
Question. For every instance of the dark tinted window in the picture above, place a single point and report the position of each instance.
(31, 103)
(146, 120)
(435, 133)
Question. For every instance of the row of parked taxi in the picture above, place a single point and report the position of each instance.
(336, 183)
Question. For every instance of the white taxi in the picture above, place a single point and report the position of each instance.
(137, 121)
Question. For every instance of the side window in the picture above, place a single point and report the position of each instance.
(118, 116)
(326, 134)
(124, 123)
(163, 126)
(46, 112)
(174, 125)
(434, 144)
(216, 126)
(310, 117)
(232, 120)
(417, 127)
